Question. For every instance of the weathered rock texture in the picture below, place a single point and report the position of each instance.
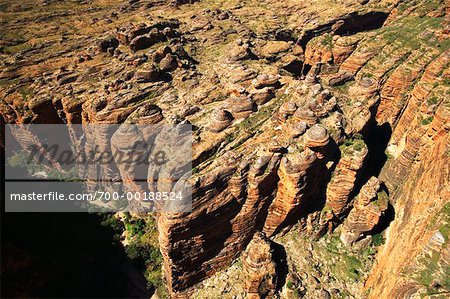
(366, 213)
(345, 175)
(259, 268)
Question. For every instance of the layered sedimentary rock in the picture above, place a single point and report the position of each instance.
(421, 201)
(435, 243)
(317, 139)
(259, 268)
(292, 186)
(340, 78)
(221, 119)
(272, 49)
(393, 94)
(148, 114)
(344, 177)
(207, 246)
(238, 52)
(240, 106)
(367, 210)
(142, 36)
(127, 143)
(319, 50)
(265, 80)
(298, 129)
(445, 257)
(305, 115)
(287, 109)
(343, 47)
(357, 59)
(416, 150)
(406, 139)
(263, 95)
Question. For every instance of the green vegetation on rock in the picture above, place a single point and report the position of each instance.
(426, 120)
(429, 270)
(141, 246)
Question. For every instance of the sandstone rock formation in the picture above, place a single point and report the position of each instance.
(240, 106)
(221, 120)
(367, 210)
(291, 189)
(259, 267)
(345, 175)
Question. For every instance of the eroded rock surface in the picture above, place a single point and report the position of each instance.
(259, 268)
(368, 208)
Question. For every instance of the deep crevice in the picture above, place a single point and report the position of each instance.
(71, 254)
(385, 221)
(353, 23)
(377, 141)
(362, 23)
(282, 269)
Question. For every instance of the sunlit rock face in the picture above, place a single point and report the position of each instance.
(344, 177)
(259, 267)
(367, 210)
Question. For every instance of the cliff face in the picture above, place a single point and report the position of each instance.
(418, 175)
(337, 121)
(404, 264)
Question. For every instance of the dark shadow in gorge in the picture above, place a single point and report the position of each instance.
(282, 269)
(360, 23)
(377, 140)
(376, 137)
(63, 255)
(385, 221)
(353, 23)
